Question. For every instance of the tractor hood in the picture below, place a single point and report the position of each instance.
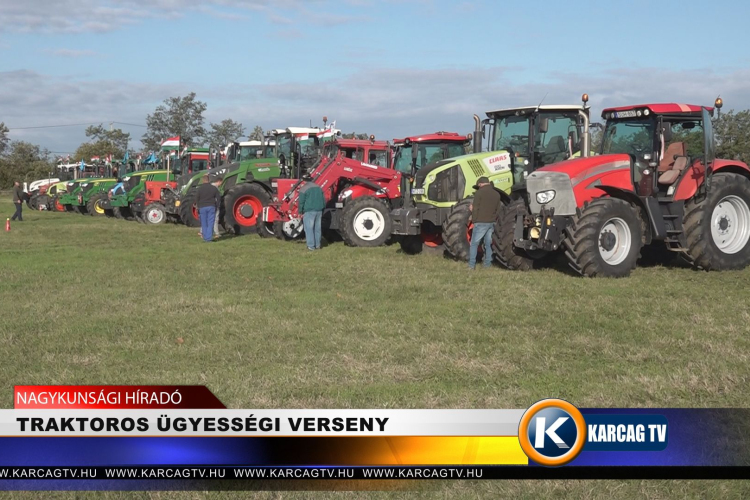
(581, 168)
(486, 163)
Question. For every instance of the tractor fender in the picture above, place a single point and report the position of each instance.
(648, 208)
(358, 190)
(691, 181)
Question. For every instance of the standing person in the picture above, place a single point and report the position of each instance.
(207, 201)
(484, 212)
(18, 195)
(311, 204)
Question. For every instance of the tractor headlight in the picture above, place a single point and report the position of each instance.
(126, 179)
(85, 185)
(430, 178)
(545, 196)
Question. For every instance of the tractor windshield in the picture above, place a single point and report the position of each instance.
(635, 137)
(284, 144)
(512, 132)
(427, 152)
(249, 152)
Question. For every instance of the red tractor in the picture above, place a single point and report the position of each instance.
(359, 194)
(656, 181)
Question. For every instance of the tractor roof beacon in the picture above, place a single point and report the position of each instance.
(436, 211)
(655, 181)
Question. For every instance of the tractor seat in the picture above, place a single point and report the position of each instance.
(672, 174)
(555, 149)
(673, 163)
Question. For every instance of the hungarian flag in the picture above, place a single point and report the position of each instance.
(94, 158)
(329, 132)
(171, 143)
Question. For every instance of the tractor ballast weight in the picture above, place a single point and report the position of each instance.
(520, 140)
(656, 181)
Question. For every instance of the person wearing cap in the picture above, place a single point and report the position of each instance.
(485, 209)
(311, 203)
(207, 200)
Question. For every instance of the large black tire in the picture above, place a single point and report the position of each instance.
(92, 207)
(155, 213)
(80, 209)
(33, 202)
(725, 210)
(280, 233)
(456, 230)
(56, 207)
(602, 226)
(366, 222)
(70, 208)
(503, 249)
(187, 215)
(247, 196)
(122, 213)
(110, 213)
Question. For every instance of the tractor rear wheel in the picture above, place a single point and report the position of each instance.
(366, 222)
(243, 205)
(506, 253)
(718, 228)
(457, 230)
(188, 211)
(94, 205)
(604, 238)
(154, 214)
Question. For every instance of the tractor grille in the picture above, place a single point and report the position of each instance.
(448, 186)
(476, 167)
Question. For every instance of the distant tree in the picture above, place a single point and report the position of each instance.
(178, 116)
(732, 133)
(355, 135)
(115, 139)
(256, 134)
(23, 162)
(3, 137)
(225, 132)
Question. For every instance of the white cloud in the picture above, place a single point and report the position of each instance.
(386, 102)
(86, 16)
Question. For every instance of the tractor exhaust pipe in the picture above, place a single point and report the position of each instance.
(477, 134)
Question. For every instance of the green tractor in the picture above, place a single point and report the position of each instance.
(118, 201)
(437, 207)
(91, 194)
(248, 171)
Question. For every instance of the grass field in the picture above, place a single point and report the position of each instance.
(267, 324)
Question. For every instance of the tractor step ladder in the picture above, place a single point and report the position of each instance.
(673, 215)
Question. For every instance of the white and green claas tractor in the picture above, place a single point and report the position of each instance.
(436, 210)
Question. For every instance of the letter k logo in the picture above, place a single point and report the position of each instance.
(541, 430)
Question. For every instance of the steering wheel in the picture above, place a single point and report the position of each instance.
(639, 149)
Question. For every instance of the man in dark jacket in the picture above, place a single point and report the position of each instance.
(311, 204)
(484, 211)
(207, 200)
(18, 196)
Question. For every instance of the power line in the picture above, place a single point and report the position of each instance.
(74, 125)
(53, 126)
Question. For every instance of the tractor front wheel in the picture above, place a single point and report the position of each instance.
(188, 210)
(243, 206)
(94, 205)
(155, 214)
(718, 228)
(604, 238)
(457, 230)
(58, 207)
(288, 230)
(366, 222)
(506, 253)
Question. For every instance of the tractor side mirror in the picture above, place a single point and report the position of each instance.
(666, 131)
(543, 125)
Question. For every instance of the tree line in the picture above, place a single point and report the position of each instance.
(183, 116)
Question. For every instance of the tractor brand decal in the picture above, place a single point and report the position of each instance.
(625, 114)
(370, 166)
(263, 169)
(264, 164)
(498, 162)
(347, 169)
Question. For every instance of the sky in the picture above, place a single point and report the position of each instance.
(384, 67)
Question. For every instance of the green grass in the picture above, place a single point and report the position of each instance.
(267, 324)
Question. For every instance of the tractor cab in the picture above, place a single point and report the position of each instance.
(413, 153)
(193, 160)
(662, 141)
(372, 152)
(298, 148)
(538, 135)
(252, 150)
